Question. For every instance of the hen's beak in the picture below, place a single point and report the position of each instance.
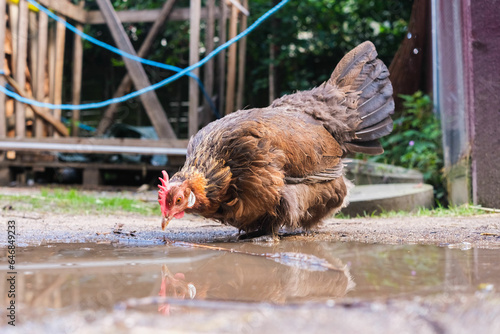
(164, 222)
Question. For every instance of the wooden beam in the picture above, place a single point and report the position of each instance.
(194, 57)
(126, 82)
(222, 55)
(20, 75)
(41, 68)
(33, 46)
(145, 16)
(13, 11)
(85, 165)
(149, 100)
(59, 68)
(208, 77)
(231, 71)
(242, 51)
(67, 9)
(3, 117)
(51, 68)
(97, 145)
(77, 76)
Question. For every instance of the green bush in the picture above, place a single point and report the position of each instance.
(416, 142)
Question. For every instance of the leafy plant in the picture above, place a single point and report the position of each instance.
(416, 142)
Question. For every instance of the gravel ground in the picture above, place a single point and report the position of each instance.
(34, 228)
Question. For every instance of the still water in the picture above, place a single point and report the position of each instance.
(171, 278)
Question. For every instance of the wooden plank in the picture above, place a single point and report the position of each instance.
(20, 75)
(222, 55)
(231, 70)
(41, 62)
(145, 16)
(149, 100)
(14, 25)
(59, 69)
(97, 145)
(67, 9)
(92, 141)
(3, 119)
(194, 57)
(82, 165)
(77, 76)
(272, 80)
(91, 177)
(33, 46)
(51, 65)
(242, 51)
(126, 82)
(208, 77)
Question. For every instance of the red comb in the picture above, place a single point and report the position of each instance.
(163, 192)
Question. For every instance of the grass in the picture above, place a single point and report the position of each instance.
(74, 201)
(77, 202)
(440, 211)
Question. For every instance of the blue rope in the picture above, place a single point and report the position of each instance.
(152, 87)
(80, 125)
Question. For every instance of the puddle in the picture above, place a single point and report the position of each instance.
(171, 278)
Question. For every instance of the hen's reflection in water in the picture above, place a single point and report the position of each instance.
(277, 278)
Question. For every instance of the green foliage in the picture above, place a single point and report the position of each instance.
(416, 142)
(311, 36)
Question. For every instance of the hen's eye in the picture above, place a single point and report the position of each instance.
(178, 200)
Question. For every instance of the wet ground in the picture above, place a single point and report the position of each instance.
(246, 287)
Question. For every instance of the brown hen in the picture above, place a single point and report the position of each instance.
(261, 169)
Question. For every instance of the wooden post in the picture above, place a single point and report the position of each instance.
(208, 79)
(480, 27)
(41, 62)
(222, 54)
(20, 75)
(149, 100)
(272, 72)
(3, 119)
(77, 76)
(242, 61)
(194, 57)
(231, 70)
(14, 25)
(126, 83)
(33, 46)
(51, 66)
(59, 69)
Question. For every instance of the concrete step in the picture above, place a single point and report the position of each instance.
(367, 199)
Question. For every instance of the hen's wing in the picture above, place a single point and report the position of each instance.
(311, 153)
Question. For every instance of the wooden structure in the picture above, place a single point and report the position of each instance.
(34, 67)
(466, 59)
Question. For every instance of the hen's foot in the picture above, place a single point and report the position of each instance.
(258, 236)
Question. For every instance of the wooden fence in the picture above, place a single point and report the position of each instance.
(32, 51)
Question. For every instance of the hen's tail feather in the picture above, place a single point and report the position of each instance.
(348, 70)
(361, 72)
(368, 147)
